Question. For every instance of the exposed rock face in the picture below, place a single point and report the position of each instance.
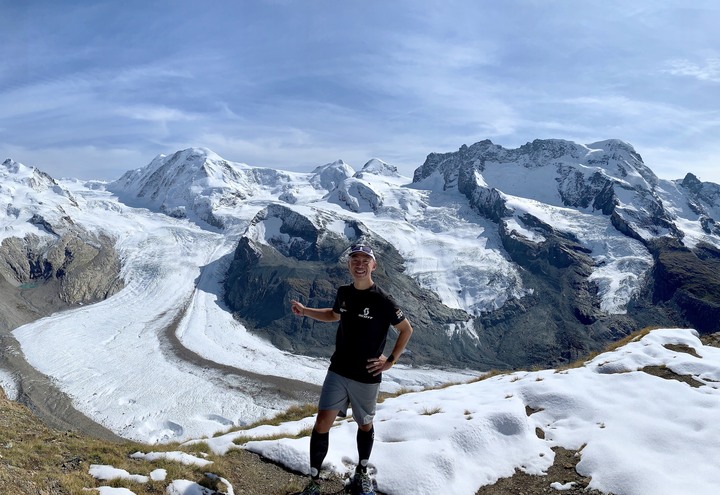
(52, 262)
(687, 283)
(262, 280)
(561, 320)
(615, 182)
(583, 179)
(80, 268)
(703, 198)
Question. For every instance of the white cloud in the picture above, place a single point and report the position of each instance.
(708, 71)
(155, 113)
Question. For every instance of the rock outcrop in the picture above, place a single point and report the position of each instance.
(309, 266)
(68, 270)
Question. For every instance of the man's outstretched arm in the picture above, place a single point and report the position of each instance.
(319, 314)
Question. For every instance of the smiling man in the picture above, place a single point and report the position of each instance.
(365, 313)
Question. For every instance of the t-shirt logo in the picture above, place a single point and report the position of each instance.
(366, 314)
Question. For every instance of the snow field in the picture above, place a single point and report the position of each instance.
(637, 433)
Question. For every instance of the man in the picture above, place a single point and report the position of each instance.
(365, 313)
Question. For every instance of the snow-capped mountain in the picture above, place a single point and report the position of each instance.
(44, 241)
(607, 176)
(197, 184)
(31, 195)
(500, 257)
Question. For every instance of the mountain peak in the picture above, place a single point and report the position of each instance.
(175, 184)
(194, 153)
(12, 166)
(201, 161)
(30, 176)
(337, 164)
(545, 151)
(612, 144)
(331, 175)
(692, 183)
(612, 157)
(376, 166)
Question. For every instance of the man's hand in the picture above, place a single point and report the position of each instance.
(297, 308)
(378, 365)
(319, 314)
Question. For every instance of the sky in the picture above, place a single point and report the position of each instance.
(93, 89)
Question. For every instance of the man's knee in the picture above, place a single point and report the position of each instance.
(366, 427)
(325, 420)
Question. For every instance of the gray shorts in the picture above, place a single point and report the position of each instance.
(339, 392)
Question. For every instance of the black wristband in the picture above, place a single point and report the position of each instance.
(391, 358)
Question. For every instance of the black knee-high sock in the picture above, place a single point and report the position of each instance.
(365, 440)
(319, 443)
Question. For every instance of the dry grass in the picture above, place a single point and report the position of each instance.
(429, 411)
(35, 459)
(242, 439)
(294, 413)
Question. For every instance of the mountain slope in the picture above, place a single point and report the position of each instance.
(639, 417)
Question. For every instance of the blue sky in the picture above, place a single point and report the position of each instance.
(91, 89)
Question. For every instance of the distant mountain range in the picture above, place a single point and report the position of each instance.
(501, 258)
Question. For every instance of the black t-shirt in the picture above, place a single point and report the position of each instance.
(365, 318)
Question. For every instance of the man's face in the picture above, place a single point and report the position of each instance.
(361, 265)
